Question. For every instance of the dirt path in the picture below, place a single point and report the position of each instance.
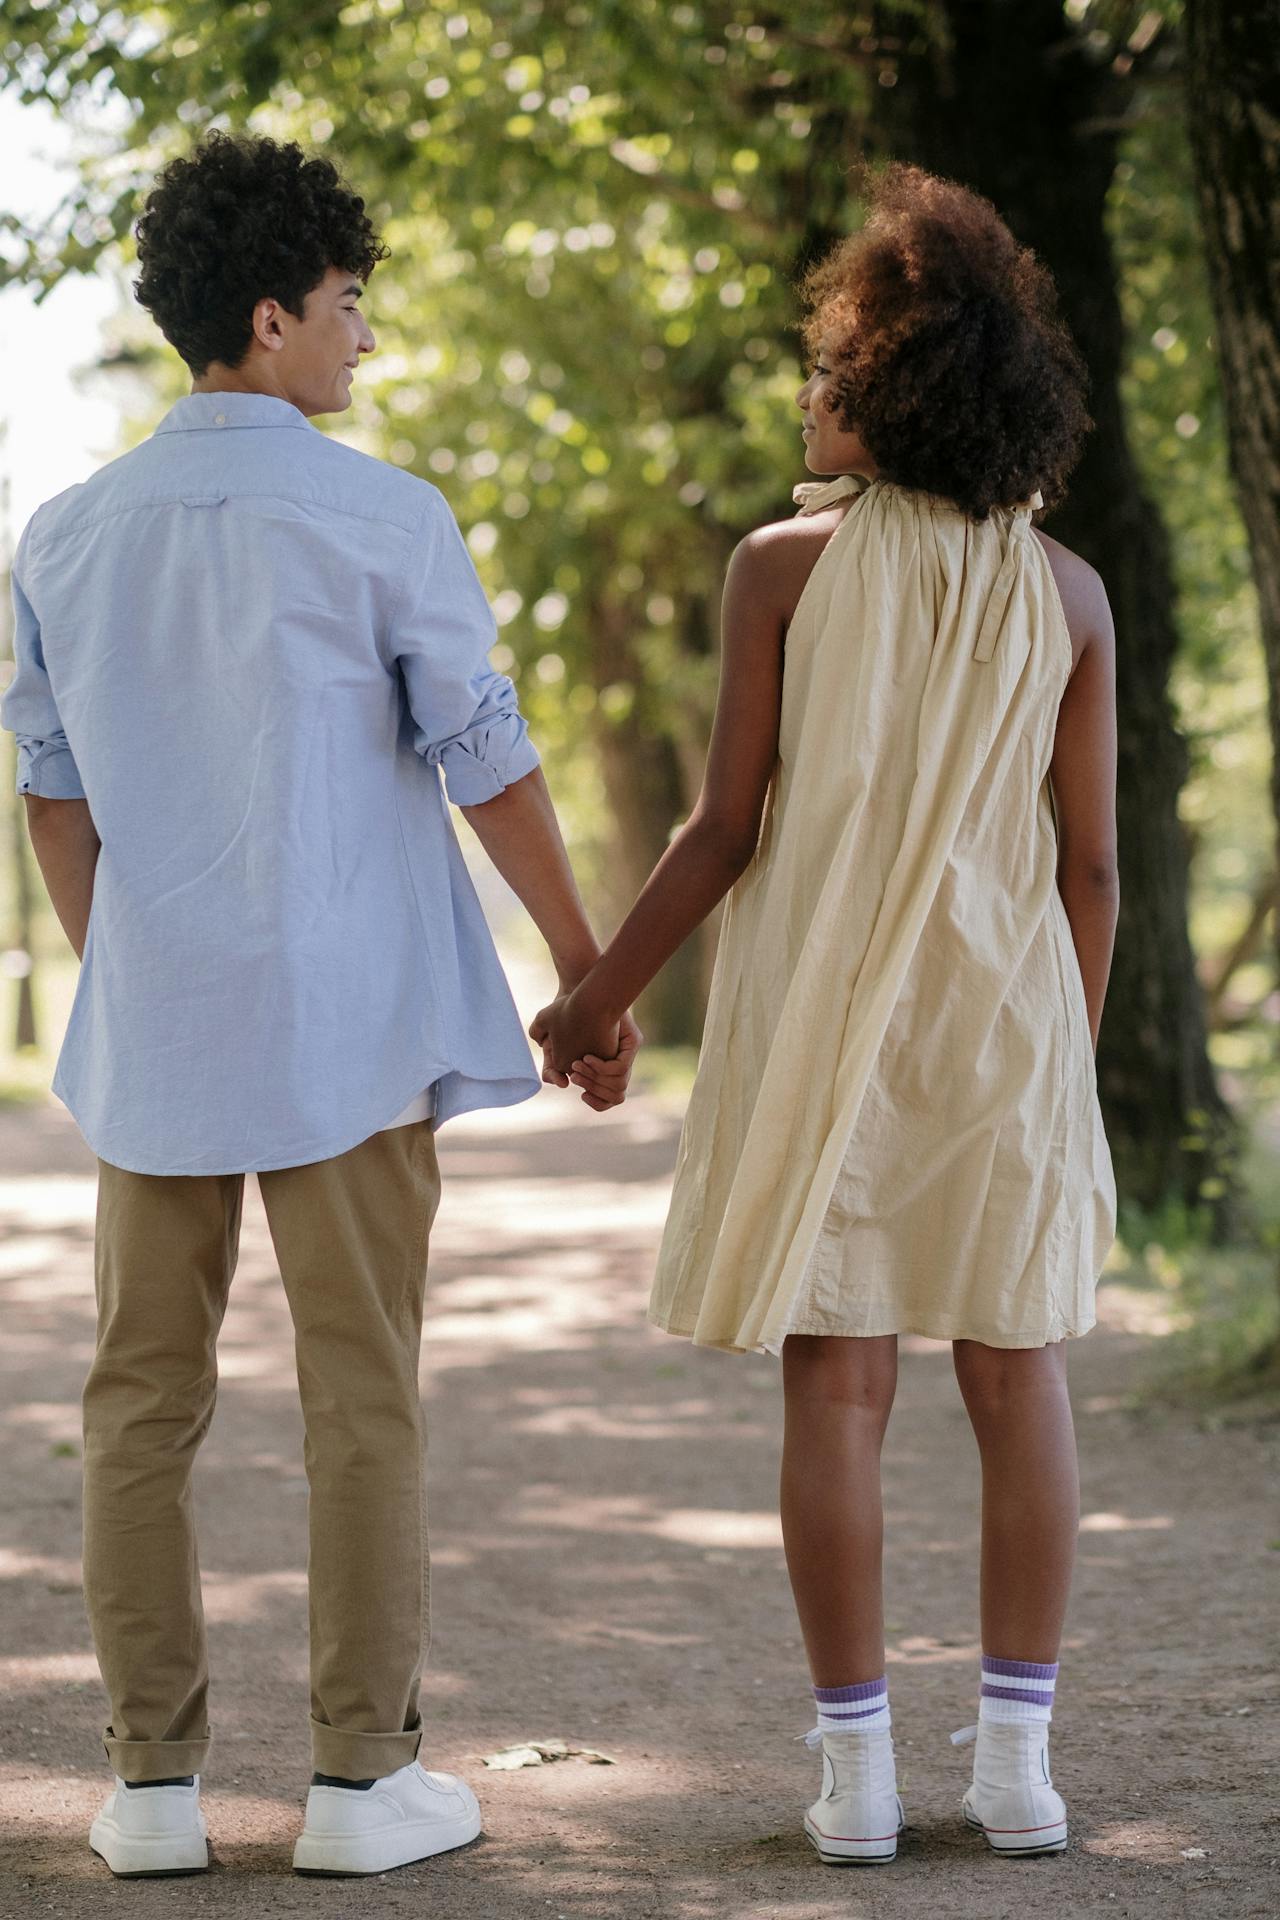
(607, 1570)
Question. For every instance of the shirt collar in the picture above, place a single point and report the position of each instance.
(213, 410)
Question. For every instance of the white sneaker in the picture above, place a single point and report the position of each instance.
(1012, 1799)
(154, 1830)
(858, 1817)
(405, 1816)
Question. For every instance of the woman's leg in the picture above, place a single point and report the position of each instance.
(839, 1393)
(1017, 1401)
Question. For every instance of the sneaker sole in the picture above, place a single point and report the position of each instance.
(347, 1855)
(1054, 1841)
(131, 1857)
(851, 1853)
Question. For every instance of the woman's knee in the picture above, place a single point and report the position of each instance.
(996, 1379)
(854, 1373)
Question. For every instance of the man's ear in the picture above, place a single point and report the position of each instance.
(268, 328)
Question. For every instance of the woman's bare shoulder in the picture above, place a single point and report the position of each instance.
(776, 560)
(1083, 596)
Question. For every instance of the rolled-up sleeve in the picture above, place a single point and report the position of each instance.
(466, 717)
(46, 764)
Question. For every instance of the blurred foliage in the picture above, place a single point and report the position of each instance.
(587, 324)
(587, 329)
(595, 215)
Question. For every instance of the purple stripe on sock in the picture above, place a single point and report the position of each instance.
(862, 1713)
(1019, 1669)
(1016, 1693)
(865, 1690)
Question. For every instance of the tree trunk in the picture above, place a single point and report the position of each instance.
(1233, 95)
(1009, 99)
(644, 793)
(1265, 901)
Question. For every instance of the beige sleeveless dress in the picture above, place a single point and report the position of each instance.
(895, 1124)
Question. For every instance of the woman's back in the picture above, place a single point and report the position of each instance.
(897, 1074)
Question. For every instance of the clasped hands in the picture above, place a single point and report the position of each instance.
(585, 1048)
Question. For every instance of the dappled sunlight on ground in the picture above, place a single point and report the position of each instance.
(59, 1669)
(690, 1527)
(607, 1570)
(922, 1650)
(1121, 1523)
(1154, 1840)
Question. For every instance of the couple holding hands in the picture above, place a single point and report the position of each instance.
(246, 655)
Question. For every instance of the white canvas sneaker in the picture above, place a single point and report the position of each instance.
(405, 1816)
(858, 1817)
(159, 1830)
(1012, 1799)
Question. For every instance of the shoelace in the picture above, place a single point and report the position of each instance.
(961, 1738)
(813, 1738)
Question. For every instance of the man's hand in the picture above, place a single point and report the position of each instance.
(579, 1049)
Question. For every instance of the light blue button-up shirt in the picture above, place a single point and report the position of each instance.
(252, 650)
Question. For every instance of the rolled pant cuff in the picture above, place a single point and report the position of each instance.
(362, 1756)
(142, 1760)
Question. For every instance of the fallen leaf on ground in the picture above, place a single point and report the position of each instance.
(534, 1753)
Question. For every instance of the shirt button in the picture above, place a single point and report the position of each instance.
(219, 419)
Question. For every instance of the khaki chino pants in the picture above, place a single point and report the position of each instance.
(350, 1236)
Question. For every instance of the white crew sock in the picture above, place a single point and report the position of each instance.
(1016, 1690)
(863, 1708)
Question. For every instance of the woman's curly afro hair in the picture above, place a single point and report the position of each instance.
(237, 221)
(950, 361)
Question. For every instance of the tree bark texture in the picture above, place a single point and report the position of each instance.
(1233, 105)
(1008, 97)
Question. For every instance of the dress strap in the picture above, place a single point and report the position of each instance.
(812, 495)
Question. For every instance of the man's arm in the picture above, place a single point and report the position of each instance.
(66, 847)
(58, 818)
(467, 722)
(519, 831)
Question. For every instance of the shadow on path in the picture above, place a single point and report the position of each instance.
(607, 1569)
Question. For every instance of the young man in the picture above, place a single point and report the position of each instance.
(243, 651)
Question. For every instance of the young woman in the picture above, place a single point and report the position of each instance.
(895, 1125)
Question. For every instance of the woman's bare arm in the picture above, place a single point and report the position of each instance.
(1083, 776)
(717, 842)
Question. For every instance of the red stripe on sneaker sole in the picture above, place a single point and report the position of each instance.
(856, 1839)
(1049, 1827)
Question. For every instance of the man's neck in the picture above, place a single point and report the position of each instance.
(217, 378)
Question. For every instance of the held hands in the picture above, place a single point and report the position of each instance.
(583, 1049)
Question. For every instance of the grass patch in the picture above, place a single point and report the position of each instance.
(1216, 1309)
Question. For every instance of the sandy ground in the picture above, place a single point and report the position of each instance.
(608, 1571)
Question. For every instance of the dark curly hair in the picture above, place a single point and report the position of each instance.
(951, 363)
(240, 220)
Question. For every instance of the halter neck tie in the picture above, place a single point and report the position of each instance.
(812, 495)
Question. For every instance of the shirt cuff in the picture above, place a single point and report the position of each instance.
(482, 764)
(47, 768)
